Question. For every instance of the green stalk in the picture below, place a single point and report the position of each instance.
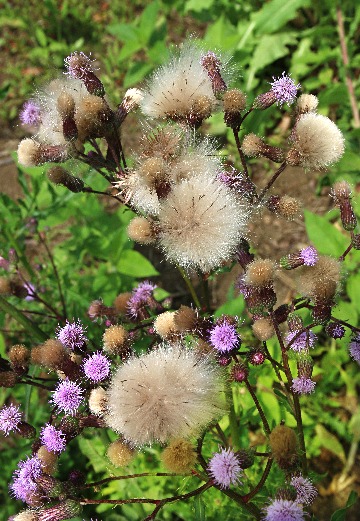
(23, 320)
(190, 287)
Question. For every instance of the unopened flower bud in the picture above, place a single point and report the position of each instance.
(306, 103)
(341, 194)
(260, 272)
(264, 101)
(8, 379)
(80, 66)
(64, 510)
(321, 312)
(234, 103)
(121, 302)
(283, 445)
(243, 255)
(179, 456)
(51, 486)
(286, 207)
(26, 430)
(253, 146)
(48, 459)
(98, 401)
(31, 153)
(131, 101)
(116, 340)
(59, 176)
(256, 356)
(281, 313)
(246, 457)
(212, 64)
(19, 357)
(185, 319)
(120, 453)
(164, 325)
(355, 241)
(239, 373)
(53, 355)
(263, 329)
(98, 310)
(141, 230)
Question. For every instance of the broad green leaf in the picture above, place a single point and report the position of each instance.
(40, 36)
(325, 237)
(276, 14)
(271, 48)
(134, 264)
(346, 311)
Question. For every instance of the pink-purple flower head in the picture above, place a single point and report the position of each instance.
(224, 468)
(309, 255)
(72, 335)
(354, 348)
(305, 490)
(53, 439)
(284, 89)
(97, 367)
(24, 478)
(10, 417)
(141, 297)
(284, 510)
(223, 336)
(30, 113)
(301, 341)
(67, 396)
(303, 385)
(335, 330)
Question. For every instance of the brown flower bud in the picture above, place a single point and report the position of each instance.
(284, 446)
(59, 176)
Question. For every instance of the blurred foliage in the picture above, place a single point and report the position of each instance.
(90, 249)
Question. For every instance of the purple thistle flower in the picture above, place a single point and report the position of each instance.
(309, 255)
(225, 469)
(303, 385)
(141, 296)
(354, 348)
(52, 438)
(30, 113)
(72, 335)
(306, 492)
(284, 89)
(97, 367)
(24, 478)
(284, 510)
(67, 396)
(10, 417)
(302, 341)
(223, 336)
(335, 330)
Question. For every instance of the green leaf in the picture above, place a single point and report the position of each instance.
(136, 265)
(325, 237)
(276, 14)
(41, 36)
(328, 440)
(198, 5)
(271, 48)
(199, 508)
(340, 514)
(233, 307)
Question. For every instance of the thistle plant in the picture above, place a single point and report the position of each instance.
(173, 377)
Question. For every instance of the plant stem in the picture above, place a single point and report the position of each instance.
(272, 181)
(130, 476)
(190, 287)
(295, 397)
(22, 319)
(258, 406)
(264, 477)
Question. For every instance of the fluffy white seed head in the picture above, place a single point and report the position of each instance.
(29, 152)
(306, 103)
(179, 88)
(317, 142)
(201, 223)
(162, 394)
(195, 159)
